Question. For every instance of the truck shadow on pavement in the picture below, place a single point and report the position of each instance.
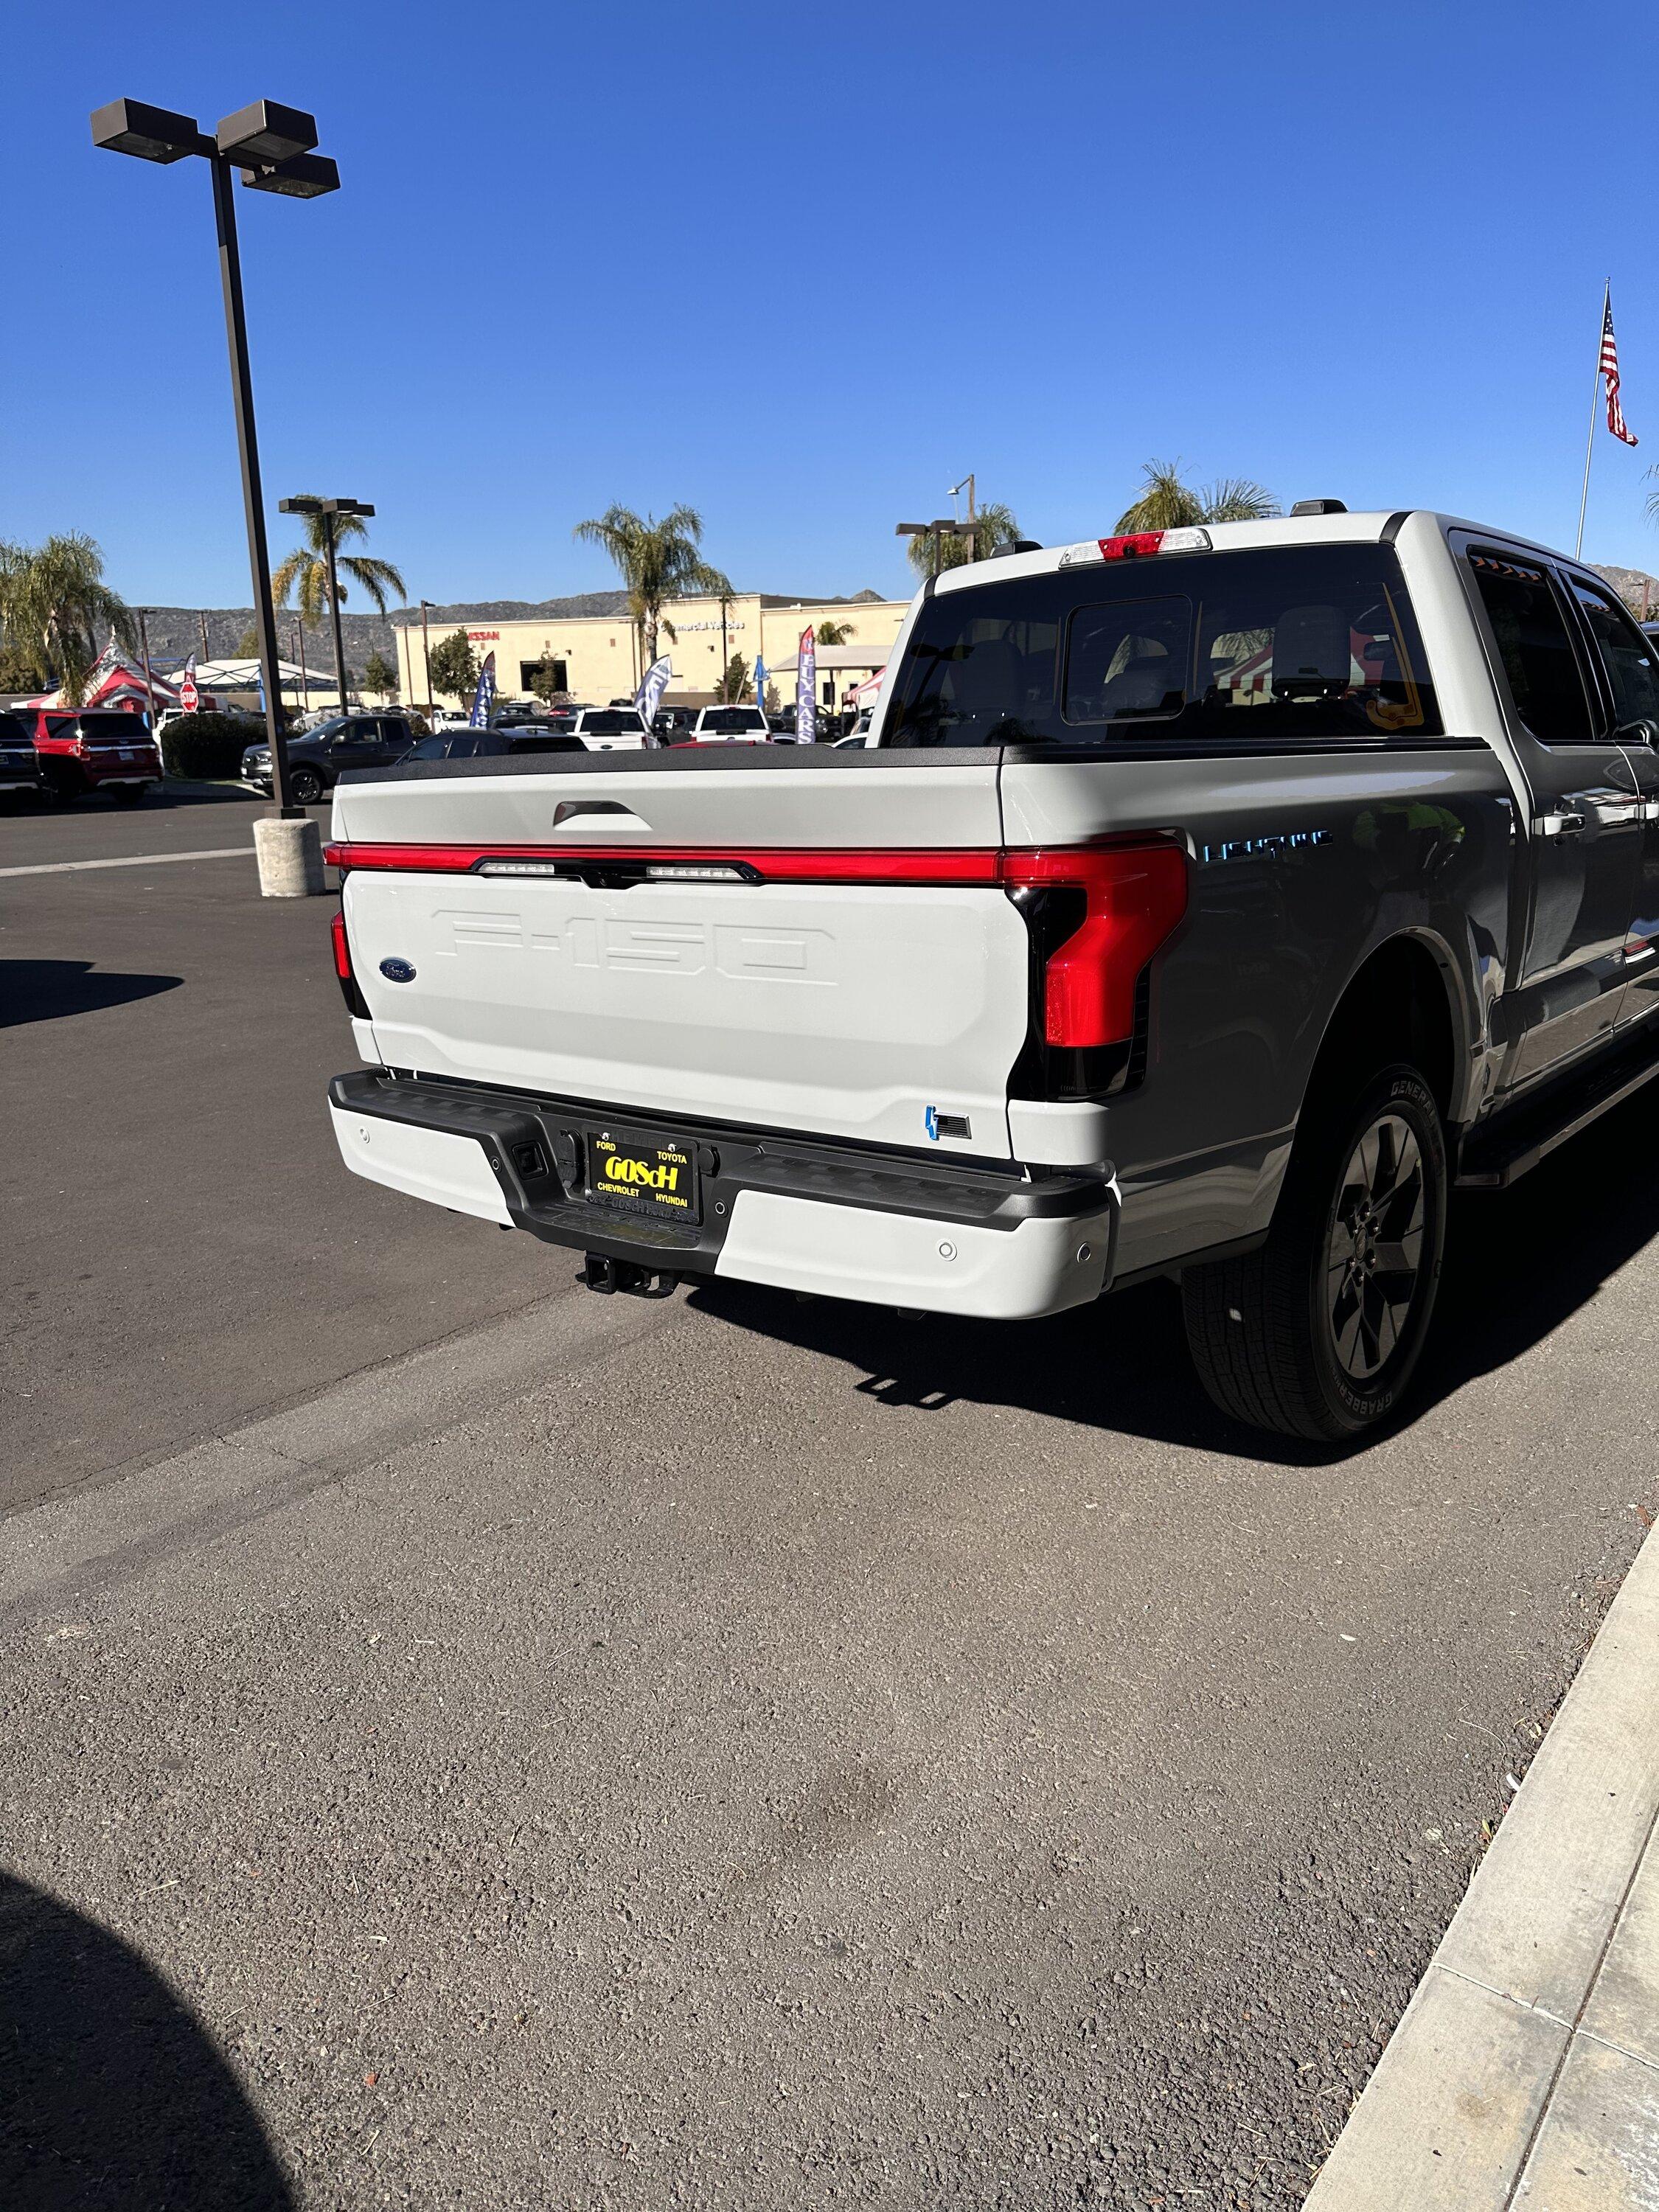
(116, 2099)
(1519, 1264)
(52, 990)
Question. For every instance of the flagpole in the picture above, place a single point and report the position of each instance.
(1590, 442)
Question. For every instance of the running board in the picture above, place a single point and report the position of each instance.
(1494, 1154)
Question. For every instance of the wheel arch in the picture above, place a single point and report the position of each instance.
(1406, 999)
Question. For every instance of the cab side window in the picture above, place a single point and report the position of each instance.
(1625, 653)
(1529, 628)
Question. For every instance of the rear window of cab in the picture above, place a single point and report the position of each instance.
(1276, 646)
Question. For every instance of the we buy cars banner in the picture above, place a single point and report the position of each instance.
(806, 685)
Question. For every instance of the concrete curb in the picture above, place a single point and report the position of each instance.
(1525, 2070)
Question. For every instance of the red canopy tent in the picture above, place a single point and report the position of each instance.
(115, 684)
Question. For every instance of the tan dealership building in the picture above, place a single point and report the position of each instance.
(596, 658)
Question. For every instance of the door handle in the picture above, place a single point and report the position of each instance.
(1559, 825)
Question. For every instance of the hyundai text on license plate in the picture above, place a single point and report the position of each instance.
(643, 1174)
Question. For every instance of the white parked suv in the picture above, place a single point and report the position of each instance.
(1206, 904)
(613, 730)
(730, 725)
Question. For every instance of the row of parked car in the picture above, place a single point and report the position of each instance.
(318, 758)
(61, 755)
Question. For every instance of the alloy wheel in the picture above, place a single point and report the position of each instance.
(1374, 1254)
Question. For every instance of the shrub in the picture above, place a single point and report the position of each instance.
(207, 745)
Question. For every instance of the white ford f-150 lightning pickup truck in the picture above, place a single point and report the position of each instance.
(1205, 904)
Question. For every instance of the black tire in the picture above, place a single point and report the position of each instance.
(63, 784)
(1317, 1334)
(304, 786)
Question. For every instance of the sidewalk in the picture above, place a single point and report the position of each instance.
(1525, 2071)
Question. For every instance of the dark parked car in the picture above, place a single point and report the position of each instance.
(20, 764)
(514, 738)
(318, 758)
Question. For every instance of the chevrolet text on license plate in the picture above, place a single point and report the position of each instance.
(643, 1174)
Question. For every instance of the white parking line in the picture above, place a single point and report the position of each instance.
(132, 861)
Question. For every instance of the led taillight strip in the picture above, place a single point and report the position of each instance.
(1134, 895)
(814, 866)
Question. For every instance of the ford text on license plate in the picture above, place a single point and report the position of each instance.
(643, 1174)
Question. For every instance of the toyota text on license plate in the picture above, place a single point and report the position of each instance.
(643, 1174)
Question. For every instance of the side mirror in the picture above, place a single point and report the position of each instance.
(1644, 730)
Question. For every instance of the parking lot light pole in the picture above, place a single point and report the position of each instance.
(330, 511)
(426, 658)
(271, 144)
(149, 685)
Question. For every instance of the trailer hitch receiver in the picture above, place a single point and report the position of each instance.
(607, 1276)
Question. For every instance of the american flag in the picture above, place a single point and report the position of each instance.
(1610, 370)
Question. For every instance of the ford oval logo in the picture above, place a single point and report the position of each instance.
(398, 971)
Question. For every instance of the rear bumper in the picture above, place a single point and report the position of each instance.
(825, 1219)
(97, 773)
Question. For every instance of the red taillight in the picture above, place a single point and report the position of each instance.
(1133, 544)
(1134, 895)
(356, 1005)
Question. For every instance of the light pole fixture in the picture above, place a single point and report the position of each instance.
(426, 658)
(271, 146)
(939, 532)
(331, 510)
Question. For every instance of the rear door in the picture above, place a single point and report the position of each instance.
(1627, 662)
(1585, 830)
(812, 977)
(392, 740)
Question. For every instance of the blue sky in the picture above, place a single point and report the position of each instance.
(803, 268)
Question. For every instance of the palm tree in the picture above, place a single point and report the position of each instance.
(52, 597)
(993, 526)
(1167, 501)
(305, 569)
(656, 560)
(833, 633)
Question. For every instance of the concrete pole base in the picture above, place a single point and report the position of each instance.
(290, 857)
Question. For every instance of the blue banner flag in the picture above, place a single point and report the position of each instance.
(760, 684)
(484, 697)
(648, 697)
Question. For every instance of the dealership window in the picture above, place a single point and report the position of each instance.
(529, 670)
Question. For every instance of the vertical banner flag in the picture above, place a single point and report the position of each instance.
(760, 684)
(807, 686)
(648, 697)
(484, 697)
(1609, 370)
(189, 697)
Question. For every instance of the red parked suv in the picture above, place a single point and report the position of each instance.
(101, 749)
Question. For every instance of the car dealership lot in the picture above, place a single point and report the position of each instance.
(733, 1750)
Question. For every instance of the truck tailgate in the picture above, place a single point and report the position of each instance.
(858, 1009)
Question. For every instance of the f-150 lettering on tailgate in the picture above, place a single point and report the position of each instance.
(741, 951)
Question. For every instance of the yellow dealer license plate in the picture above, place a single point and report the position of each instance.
(643, 1174)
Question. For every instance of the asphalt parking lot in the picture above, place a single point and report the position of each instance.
(465, 1741)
